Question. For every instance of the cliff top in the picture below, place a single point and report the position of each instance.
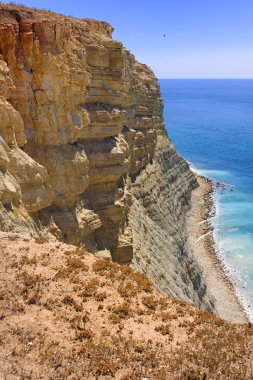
(19, 14)
(65, 313)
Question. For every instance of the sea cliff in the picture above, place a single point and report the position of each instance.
(83, 151)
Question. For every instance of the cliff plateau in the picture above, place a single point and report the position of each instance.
(84, 157)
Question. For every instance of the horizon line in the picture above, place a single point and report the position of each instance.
(205, 78)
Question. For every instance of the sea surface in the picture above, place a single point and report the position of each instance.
(210, 123)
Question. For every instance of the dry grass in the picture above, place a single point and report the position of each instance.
(150, 301)
(165, 330)
(66, 315)
(128, 289)
(69, 300)
(122, 311)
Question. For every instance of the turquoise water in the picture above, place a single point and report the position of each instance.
(211, 124)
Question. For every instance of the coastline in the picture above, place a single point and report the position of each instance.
(220, 285)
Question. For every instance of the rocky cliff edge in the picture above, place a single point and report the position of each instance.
(83, 154)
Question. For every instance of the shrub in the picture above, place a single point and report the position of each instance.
(122, 311)
(150, 302)
(165, 330)
(69, 300)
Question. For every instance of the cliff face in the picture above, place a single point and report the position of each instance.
(161, 198)
(83, 154)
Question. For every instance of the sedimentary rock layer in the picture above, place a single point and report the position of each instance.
(161, 199)
(83, 153)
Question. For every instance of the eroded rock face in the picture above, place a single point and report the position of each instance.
(160, 201)
(83, 153)
(86, 113)
(23, 182)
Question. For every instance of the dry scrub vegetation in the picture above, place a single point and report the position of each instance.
(66, 315)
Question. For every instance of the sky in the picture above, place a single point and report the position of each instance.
(203, 38)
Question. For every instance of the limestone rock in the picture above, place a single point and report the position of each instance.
(104, 255)
(88, 220)
(160, 201)
(32, 178)
(11, 123)
(67, 170)
(83, 152)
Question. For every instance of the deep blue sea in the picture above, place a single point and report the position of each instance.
(211, 124)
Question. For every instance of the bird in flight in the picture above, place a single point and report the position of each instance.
(164, 35)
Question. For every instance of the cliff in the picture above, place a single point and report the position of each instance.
(81, 118)
(84, 157)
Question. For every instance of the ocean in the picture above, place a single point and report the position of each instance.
(210, 122)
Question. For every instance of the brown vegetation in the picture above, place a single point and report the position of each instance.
(65, 314)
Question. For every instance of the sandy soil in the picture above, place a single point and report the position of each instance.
(66, 315)
(219, 283)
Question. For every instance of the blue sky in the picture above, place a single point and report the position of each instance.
(203, 38)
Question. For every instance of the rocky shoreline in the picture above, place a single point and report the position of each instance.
(220, 285)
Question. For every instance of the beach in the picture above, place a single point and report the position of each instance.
(220, 285)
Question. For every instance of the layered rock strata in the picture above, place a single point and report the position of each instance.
(160, 202)
(83, 152)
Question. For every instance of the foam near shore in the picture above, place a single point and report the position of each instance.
(220, 285)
